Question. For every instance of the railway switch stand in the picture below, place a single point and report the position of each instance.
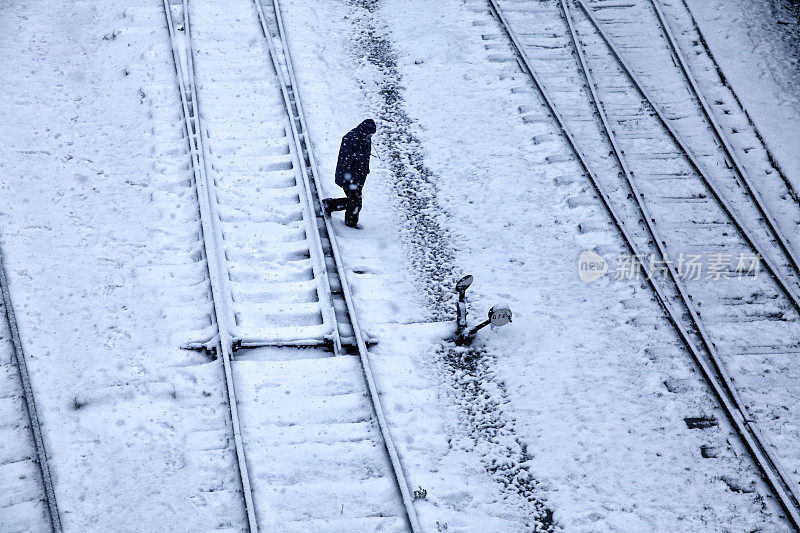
(499, 315)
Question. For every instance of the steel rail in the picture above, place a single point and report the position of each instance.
(741, 172)
(647, 217)
(292, 96)
(695, 164)
(211, 237)
(770, 157)
(780, 479)
(30, 403)
(749, 434)
(318, 263)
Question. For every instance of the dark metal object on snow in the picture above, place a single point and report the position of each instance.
(700, 422)
(461, 307)
(499, 315)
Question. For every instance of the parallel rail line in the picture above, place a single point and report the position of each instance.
(778, 477)
(724, 80)
(791, 289)
(638, 229)
(300, 132)
(346, 332)
(722, 137)
(211, 234)
(18, 356)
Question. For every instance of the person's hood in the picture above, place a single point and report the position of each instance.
(367, 127)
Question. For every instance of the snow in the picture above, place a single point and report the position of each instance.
(568, 361)
(458, 494)
(572, 417)
(21, 490)
(98, 227)
(759, 61)
(314, 452)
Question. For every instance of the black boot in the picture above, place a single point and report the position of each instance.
(352, 212)
(351, 218)
(325, 207)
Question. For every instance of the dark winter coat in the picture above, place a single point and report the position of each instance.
(353, 164)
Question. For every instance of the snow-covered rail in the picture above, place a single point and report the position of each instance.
(27, 497)
(722, 131)
(676, 189)
(319, 454)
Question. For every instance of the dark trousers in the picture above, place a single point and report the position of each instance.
(351, 205)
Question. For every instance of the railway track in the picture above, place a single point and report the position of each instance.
(27, 497)
(717, 126)
(678, 185)
(313, 448)
(728, 108)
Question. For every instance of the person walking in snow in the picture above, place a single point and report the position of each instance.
(351, 172)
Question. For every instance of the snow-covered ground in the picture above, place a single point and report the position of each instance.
(21, 483)
(571, 417)
(756, 45)
(98, 228)
(459, 495)
(512, 201)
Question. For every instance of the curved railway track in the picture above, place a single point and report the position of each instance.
(327, 462)
(27, 497)
(726, 105)
(675, 186)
